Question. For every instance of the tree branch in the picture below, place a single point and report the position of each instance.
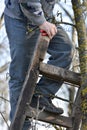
(4, 119)
(4, 99)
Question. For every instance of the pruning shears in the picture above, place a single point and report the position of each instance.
(43, 33)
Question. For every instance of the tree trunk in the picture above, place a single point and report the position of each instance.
(82, 40)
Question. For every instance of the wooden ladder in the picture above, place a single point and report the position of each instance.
(56, 73)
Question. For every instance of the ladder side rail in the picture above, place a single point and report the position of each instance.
(29, 84)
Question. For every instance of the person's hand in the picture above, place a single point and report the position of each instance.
(49, 28)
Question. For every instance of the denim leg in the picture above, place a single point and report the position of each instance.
(60, 49)
(21, 49)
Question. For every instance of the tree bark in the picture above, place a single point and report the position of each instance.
(82, 40)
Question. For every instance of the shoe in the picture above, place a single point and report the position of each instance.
(45, 104)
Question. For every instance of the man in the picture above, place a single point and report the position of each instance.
(22, 47)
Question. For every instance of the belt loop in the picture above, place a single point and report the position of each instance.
(9, 2)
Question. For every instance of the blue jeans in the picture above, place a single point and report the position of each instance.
(22, 48)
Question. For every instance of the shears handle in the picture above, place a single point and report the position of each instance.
(43, 33)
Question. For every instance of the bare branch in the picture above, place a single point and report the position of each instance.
(66, 11)
(4, 119)
(1, 19)
(4, 67)
(4, 99)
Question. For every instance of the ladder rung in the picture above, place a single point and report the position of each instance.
(57, 73)
(49, 117)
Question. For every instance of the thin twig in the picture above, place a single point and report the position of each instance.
(4, 67)
(1, 19)
(57, 22)
(66, 100)
(4, 119)
(4, 98)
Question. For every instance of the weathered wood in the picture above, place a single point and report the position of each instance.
(58, 73)
(50, 117)
(29, 84)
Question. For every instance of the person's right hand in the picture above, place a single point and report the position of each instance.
(49, 28)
